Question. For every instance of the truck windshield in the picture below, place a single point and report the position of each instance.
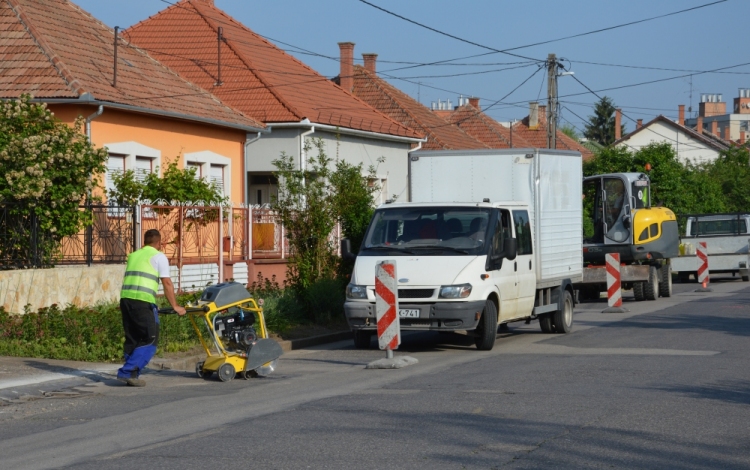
(443, 231)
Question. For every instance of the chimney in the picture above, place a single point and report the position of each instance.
(681, 115)
(699, 125)
(712, 105)
(639, 123)
(533, 115)
(206, 2)
(474, 102)
(715, 128)
(346, 76)
(618, 124)
(742, 138)
(727, 136)
(370, 61)
(742, 102)
(542, 113)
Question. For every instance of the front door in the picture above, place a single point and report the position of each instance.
(524, 263)
(503, 273)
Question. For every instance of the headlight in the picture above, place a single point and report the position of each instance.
(356, 292)
(455, 292)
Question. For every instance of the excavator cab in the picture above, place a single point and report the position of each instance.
(618, 218)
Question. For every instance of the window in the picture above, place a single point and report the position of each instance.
(216, 177)
(115, 166)
(143, 166)
(380, 195)
(523, 232)
(197, 167)
(213, 167)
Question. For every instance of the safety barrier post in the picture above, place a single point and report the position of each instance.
(386, 312)
(614, 285)
(702, 274)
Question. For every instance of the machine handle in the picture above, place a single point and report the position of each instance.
(167, 311)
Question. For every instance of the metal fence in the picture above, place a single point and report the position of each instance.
(25, 244)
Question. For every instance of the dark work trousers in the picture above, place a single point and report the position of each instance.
(140, 320)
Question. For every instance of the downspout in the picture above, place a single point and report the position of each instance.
(91, 118)
(302, 152)
(408, 169)
(245, 163)
(89, 234)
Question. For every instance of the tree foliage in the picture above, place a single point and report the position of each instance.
(174, 185)
(309, 203)
(48, 168)
(601, 126)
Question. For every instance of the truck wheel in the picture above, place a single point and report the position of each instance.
(639, 291)
(651, 289)
(487, 329)
(545, 323)
(362, 339)
(665, 282)
(562, 320)
(745, 278)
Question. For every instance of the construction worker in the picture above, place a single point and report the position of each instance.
(140, 316)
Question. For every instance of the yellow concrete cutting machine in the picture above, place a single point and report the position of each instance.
(238, 340)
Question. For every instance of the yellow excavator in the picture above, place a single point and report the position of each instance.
(618, 218)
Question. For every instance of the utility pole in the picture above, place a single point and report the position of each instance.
(552, 101)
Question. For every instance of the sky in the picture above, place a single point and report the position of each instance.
(688, 43)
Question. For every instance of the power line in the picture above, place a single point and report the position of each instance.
(643, 67)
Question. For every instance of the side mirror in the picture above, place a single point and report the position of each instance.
(346, 250)
(511, 247)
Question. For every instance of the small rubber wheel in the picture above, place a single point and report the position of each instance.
(545, 323)
(486, 331)
(199, 369)
(639, 291)
(362, 339)
(745, 278)
(562, 319)
(651, 288)
(226, 372)
(665, 281)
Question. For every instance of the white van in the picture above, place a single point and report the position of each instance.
(490, 237)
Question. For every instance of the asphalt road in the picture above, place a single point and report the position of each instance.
(666, 385)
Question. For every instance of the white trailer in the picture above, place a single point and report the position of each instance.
(489, 237)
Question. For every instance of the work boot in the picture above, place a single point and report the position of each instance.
(136, 382)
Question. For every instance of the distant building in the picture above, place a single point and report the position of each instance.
(533, 128)
(712, 109)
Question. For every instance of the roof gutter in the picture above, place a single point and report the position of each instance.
(345, 130)
(155, 112)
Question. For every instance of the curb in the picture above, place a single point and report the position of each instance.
(188, 363)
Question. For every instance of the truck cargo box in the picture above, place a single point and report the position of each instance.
(550, 181)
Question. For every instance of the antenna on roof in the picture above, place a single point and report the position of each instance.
(219, 38)
(114, 75)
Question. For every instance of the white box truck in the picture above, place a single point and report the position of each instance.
(488, 237)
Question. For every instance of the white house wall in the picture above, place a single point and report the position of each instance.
(353, 149)
(686, 147)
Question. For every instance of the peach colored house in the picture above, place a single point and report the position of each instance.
(140, 110)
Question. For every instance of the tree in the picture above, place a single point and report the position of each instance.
(570, 131)
(49, 168)
(732, 171)
(601, 126)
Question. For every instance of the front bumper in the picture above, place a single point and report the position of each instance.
(439, 316)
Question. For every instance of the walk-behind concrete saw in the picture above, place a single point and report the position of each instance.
(239, 342)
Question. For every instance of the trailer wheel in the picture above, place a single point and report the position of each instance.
(487, 329)
(362, 339)
(545, 323)
(562, 320)
(651, 289)
(226, 372)
(639, 291)
(665, 281)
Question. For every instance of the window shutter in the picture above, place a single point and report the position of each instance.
(143, 166)
(216, 177)
(115, 166)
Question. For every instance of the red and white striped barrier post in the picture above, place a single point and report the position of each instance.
(386, 307)
(614, 284)
(702, 273)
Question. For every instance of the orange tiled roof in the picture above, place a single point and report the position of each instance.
(538, 138)
(441, 135)
(53, 49)
(485, 129)
(257, 77)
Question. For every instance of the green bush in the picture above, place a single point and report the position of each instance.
(324, 300)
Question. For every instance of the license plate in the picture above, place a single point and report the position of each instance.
(408, 313)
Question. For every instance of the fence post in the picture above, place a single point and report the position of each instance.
(249, 239)
(282, 241)
(89, 249)
(34, 242)
(137, 210)
(180, 225)
(220, 245)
